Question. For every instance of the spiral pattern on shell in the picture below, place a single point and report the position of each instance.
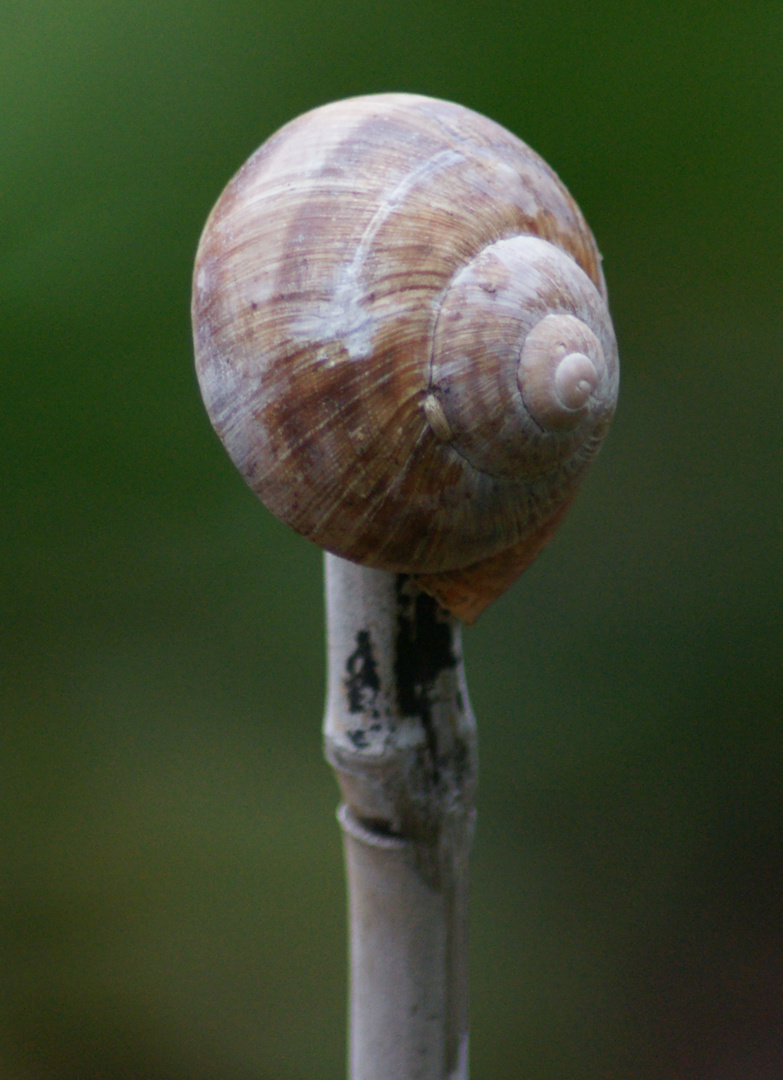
(402, 339)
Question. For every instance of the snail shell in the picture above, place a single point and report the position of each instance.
(402, 338)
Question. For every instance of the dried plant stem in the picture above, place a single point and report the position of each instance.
(401, 737)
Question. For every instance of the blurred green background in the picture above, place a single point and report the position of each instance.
(171, 894)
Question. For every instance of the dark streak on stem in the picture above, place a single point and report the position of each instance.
(423, 650)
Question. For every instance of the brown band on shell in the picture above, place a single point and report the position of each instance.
(468, 592)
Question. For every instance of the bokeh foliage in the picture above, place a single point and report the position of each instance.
(172, 902)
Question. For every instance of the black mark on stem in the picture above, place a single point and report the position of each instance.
(423, 651)
(361, 682)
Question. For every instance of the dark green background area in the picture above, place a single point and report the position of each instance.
(171, 894)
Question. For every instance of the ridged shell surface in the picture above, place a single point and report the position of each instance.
(336, 349)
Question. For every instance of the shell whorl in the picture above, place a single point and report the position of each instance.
(402, 337)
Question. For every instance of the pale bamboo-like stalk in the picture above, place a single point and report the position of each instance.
(401, 737)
